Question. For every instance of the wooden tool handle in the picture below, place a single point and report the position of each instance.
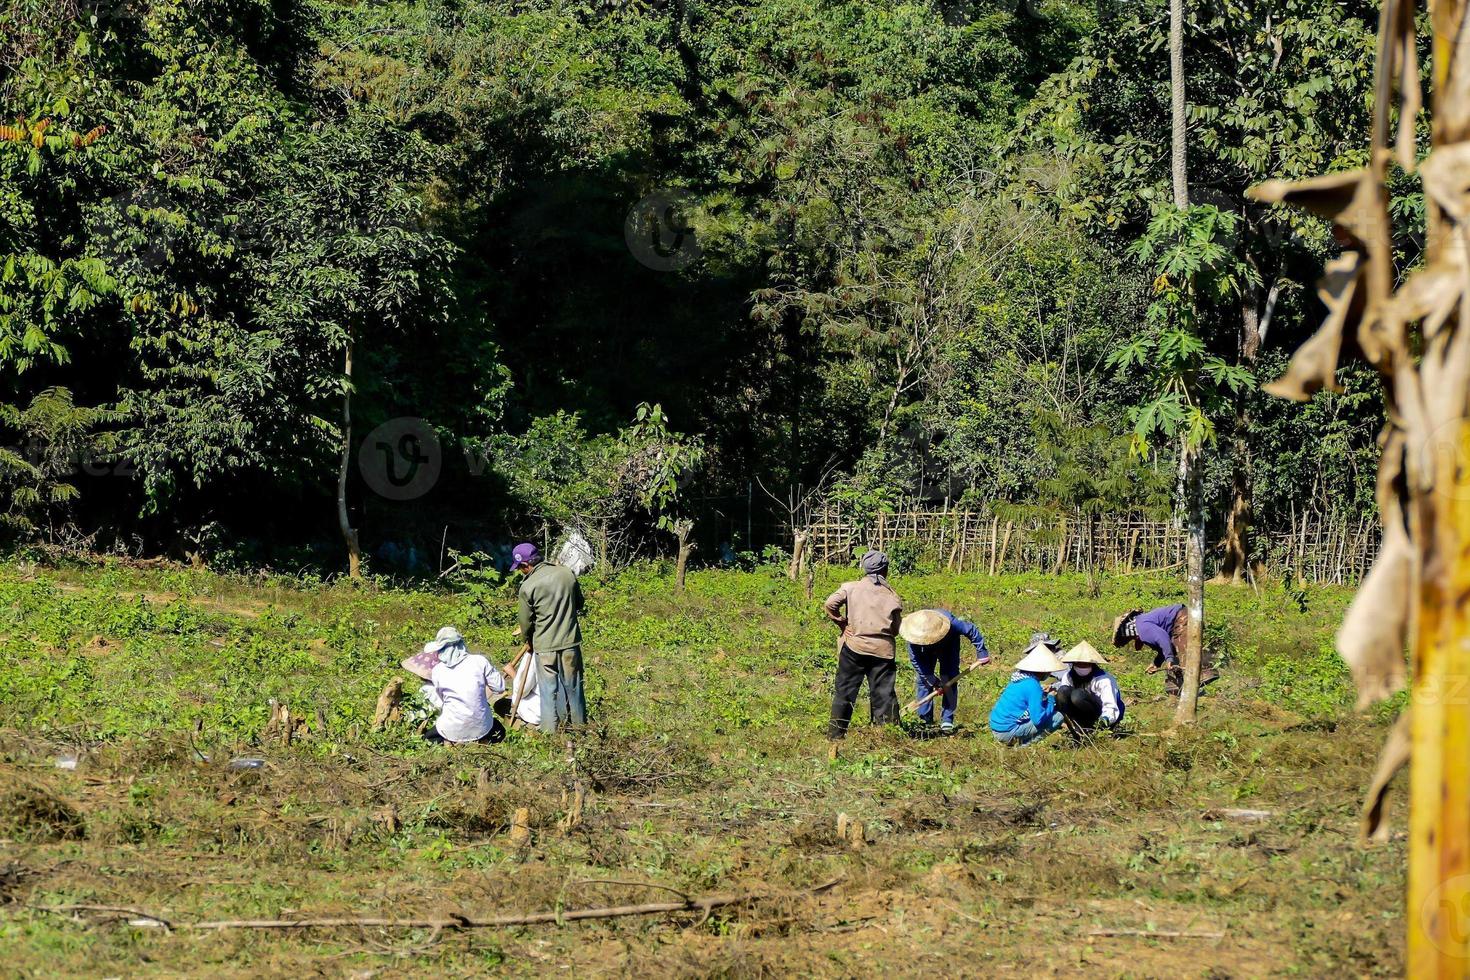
(918, 703)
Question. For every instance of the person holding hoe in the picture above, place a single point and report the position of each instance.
(1025, 711)
(1162, 630)
(550, 623)
(868, 612)
(933, 637)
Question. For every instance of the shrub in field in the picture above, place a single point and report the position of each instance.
(907, 556)
(1317, 683)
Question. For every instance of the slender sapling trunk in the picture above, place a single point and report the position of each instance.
(344, 520)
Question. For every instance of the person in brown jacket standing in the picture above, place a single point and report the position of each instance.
(868, 611)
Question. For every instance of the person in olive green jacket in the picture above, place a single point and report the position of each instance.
(551, 605)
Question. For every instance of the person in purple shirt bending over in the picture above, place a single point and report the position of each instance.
(1163, 631)
(933, 637)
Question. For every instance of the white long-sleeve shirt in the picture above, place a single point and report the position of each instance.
(1102, 684)
(463, 695)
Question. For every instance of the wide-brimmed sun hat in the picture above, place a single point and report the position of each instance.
(924, 627)
(1084, 653)
(421, 665)
(423, 662)
(1040, 660)
(1119, 625)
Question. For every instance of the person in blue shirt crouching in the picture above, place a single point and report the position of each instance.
(1025, 712)
(933, 637)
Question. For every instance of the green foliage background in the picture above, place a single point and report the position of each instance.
(927, 232)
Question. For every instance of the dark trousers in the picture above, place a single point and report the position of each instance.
(495, 734)
(1080, 706)
(852, 669)
(930, 663)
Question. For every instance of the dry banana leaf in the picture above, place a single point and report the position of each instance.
(1375, 630)
(1351, 200)
(1431, 295)
(1406, 69)
(1395, 756)
(1446, 174)
(1314, 365)
(1450, 82)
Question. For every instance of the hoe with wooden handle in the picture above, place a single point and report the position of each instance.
(918, 703)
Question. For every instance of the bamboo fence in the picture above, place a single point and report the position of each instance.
(1316, 547)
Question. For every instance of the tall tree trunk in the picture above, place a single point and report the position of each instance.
(1194, 499)
(1235, 563)
(1180, 168)
(1195, 566)
(344, 520)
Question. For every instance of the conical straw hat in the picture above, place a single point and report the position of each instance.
(1118, 638)
(924, 627)
(1083, 653)
(1040, 660)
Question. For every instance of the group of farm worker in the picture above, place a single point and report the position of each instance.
(543, 684)
(1048, 689)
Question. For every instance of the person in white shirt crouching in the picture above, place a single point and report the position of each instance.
(462, 686)
(1087, 695)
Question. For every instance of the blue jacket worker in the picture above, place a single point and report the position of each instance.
(1025, 712)
(933, 637)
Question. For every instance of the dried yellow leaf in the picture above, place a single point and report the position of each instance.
(1395, 756)
(1446, 174)
(1375, 630)
(1314, 365)
(1430, 295)
(1350, 200)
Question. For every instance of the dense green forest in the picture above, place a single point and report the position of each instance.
(636, 263)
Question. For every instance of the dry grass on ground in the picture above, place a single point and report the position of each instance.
(708, 776)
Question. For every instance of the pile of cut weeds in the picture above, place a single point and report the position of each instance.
(29, 812)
